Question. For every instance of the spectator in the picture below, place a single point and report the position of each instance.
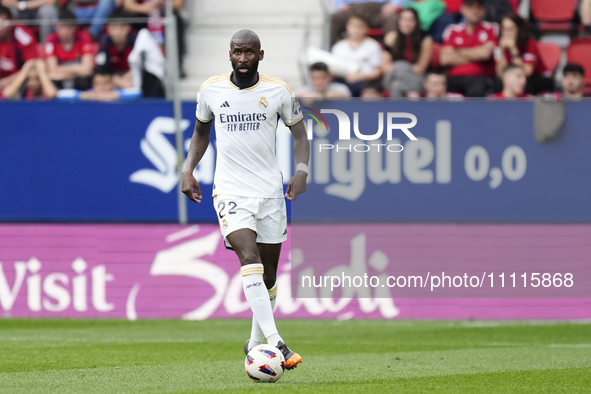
(407, 56)
(31, 82)
(379, 14)
(17, 45)
(517, 47)
(70, 53)
(154, 9)
(115, 47)
(322, 85)
(94, 11)
(432, 17)
(102, 89)
(497, 9)
(42, 10)
(360, 50)
(513, 83)
(467, 50)
(137, 60)
(585, 12)
(372, 90)
(436, 86)
(573, 80)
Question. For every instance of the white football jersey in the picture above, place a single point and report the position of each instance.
(245, 127)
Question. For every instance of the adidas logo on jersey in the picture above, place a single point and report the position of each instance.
(225, 104)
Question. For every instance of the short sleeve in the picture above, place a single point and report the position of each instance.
(49, 49)
(530, 56)
(447, 41)
(27, 43)
(203, 111)
(376, 56)
(493, 33)
(289, 110)
(339, 49)
(87, 44)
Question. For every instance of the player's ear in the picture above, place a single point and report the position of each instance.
(230, 55)
(261, 54)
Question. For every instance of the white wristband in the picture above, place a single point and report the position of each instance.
(22, 5)
(302, 167)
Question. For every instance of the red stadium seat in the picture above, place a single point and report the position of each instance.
(554, 11)
(377, 34)
(552, 15)
(579, 51)
(550, 55)
(436, 49)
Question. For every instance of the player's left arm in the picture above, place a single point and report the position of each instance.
(301, 150)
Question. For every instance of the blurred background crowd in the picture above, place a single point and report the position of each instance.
(454, 48)
(114, 49)
(85, 49)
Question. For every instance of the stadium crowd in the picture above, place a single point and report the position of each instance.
(445, 48)
(84, 49)
(113, 49)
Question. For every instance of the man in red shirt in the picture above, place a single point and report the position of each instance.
(70, 54)
(42, 11)
(467, 51)
(513, 83)
(17, 45)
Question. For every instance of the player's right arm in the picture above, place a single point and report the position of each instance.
(199, 144)
(197, 148)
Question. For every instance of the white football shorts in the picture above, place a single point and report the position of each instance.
(267, 217)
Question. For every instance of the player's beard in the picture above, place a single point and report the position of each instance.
(247, 78)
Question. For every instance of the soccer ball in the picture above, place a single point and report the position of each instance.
(264, 364)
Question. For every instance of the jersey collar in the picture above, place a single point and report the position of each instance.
(250, 88)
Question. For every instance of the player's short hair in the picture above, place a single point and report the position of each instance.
(319, 66)
(102, 71)
(481, 3)
(5, 11)
(120, 16)
(66, 16)
(511, 67)
(573, 68)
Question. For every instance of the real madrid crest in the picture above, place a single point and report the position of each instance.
(263, 103)
(224, 224)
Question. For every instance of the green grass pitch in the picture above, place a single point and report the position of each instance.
(110, 356)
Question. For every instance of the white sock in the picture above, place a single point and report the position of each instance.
(256, 334)
(258, 298)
